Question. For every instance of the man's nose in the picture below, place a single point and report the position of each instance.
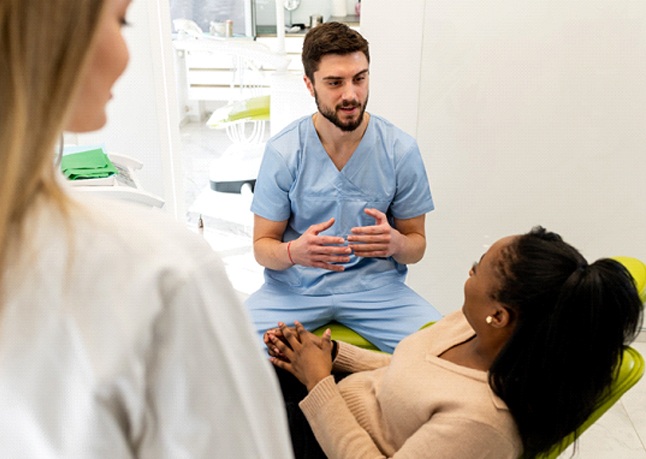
(349, 92)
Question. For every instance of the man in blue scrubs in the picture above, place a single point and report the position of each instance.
(339, 205)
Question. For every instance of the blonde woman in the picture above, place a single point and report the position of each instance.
(116, 325)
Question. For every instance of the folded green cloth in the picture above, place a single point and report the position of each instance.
(87, 165)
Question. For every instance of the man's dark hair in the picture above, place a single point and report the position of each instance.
(330, 38)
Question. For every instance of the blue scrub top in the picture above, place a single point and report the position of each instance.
(299, 182)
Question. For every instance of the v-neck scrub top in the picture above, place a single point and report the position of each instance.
(299, 182)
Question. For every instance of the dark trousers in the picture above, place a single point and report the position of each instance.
(304, 442)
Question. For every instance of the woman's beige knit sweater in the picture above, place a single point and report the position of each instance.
(412, 404)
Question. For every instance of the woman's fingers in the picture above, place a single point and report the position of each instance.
(281, 364)
(291, 338)
(302, 333)
(279, 347)
(326, 341)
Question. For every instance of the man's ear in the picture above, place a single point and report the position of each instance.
(309, 85)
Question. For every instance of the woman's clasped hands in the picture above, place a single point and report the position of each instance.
(300, 352)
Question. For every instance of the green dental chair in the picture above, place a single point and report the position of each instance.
(630, 371)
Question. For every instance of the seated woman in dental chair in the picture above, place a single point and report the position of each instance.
(520, 366)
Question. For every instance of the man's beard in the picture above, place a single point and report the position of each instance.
(332, 117)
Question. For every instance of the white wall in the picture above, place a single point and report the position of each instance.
(143, 119)
(526, 113)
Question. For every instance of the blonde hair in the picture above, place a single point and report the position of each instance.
(44, 45)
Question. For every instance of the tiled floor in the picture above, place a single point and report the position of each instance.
(619, 434)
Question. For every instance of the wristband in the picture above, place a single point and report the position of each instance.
(289, 254)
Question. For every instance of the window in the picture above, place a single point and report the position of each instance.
(203, 12)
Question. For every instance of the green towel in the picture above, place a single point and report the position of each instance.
(87, 165)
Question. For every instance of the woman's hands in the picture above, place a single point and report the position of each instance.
(300, 352)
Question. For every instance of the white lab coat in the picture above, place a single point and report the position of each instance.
(121, 337)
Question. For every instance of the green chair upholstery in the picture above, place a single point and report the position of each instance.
(630, 371)
(347, 335)
(251, 109)
(638, 270)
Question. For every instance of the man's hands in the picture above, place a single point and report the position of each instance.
(406, 245)
(300, 352)
(405, 242)
(378, 240)
(320, 251)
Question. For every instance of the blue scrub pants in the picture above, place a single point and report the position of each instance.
(383, 316)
